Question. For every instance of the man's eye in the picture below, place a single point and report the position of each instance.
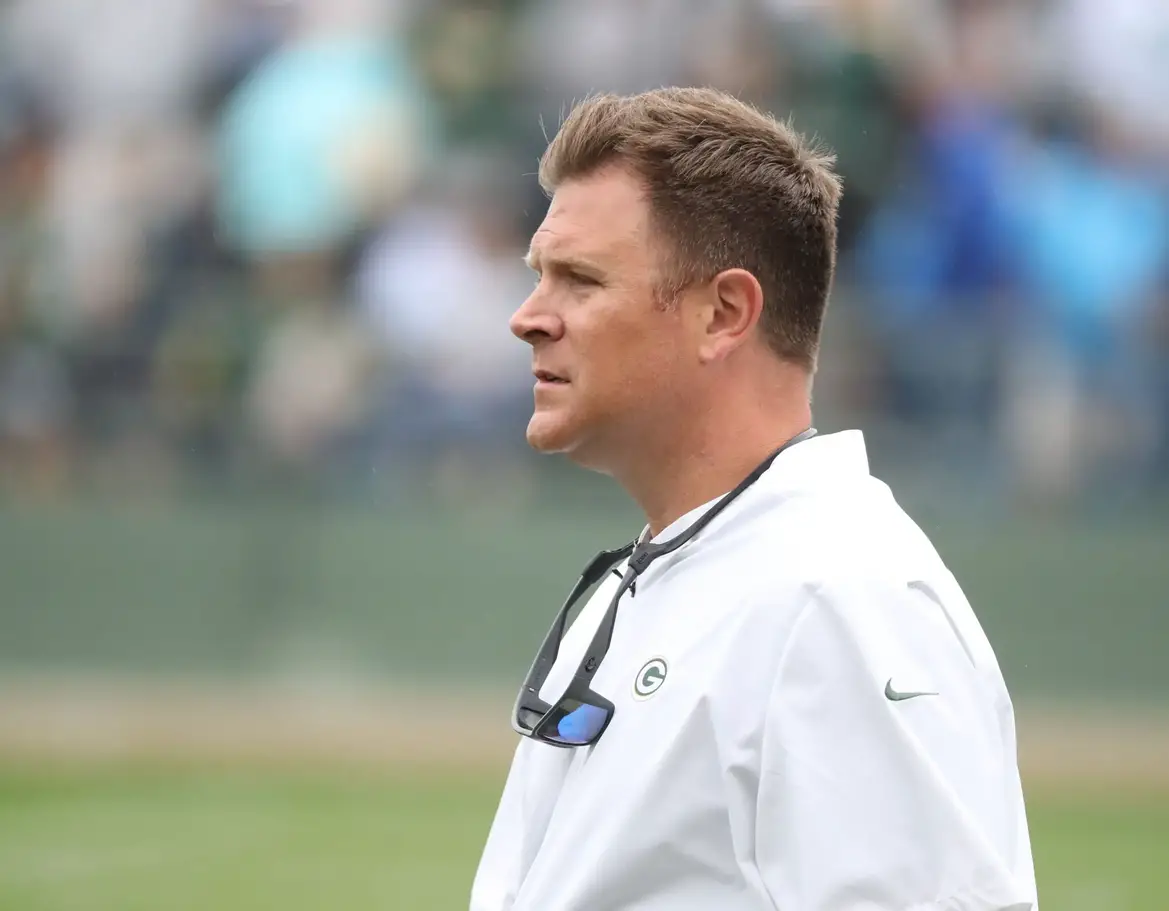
(578, 279)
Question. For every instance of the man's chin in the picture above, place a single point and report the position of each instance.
(548, 435)
(566, 439)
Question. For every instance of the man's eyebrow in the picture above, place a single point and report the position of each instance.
(536, 262)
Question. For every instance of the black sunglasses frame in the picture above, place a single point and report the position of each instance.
(528, 704)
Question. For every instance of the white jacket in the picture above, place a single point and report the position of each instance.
(779, 764)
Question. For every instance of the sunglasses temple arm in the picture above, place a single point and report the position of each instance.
(604, 634)
(550, 648)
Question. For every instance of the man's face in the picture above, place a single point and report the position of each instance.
(610, 360)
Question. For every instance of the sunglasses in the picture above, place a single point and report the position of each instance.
(581, 715)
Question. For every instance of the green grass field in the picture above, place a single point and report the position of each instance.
(167, 840)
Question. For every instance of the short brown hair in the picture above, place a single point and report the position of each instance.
(728, 187)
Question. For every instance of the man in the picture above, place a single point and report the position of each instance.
(780, 699)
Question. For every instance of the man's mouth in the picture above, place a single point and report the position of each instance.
(544, 376)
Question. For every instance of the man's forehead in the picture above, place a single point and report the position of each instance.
(591, 216)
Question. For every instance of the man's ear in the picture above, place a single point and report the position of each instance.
(733, 309)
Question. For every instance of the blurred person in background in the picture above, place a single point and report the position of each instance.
(317, 146)
(1086, 416)
(468, 53)
(36, 403)
(435, 289)
(1089, 235)
(787, 700)
(124, 162)
(834, 65)
(933, 256)
(207, 322)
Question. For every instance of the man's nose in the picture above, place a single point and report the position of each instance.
(534, 321)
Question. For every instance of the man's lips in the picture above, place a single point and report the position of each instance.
(547, 376)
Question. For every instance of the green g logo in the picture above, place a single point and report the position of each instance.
(650, 678)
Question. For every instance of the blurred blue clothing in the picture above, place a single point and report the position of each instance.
(934, 258)
(283, 133)
(936, 244)
(1090, 244)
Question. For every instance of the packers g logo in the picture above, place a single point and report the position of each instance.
(650, 678)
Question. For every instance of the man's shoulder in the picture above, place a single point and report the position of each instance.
(860, 558)
(819, 535)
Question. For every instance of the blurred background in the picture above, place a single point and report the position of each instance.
(273, 553)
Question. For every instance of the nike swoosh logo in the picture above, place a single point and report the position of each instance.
(894, 696)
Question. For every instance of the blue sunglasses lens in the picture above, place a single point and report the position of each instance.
(581, 723)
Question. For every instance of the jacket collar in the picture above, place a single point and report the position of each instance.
(825, 459)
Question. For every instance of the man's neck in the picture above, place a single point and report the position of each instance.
(688, 473)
